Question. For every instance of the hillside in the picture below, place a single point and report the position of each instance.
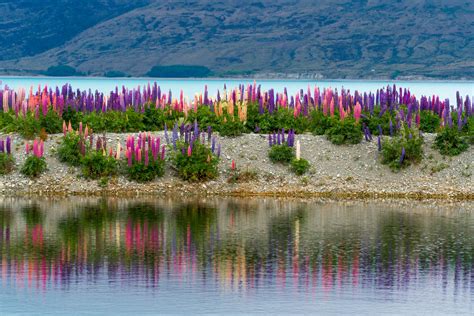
(330, 38)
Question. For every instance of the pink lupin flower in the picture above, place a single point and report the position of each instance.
(35, 147)
(41, 149)
(232, 166)
(357, 112)
(331, 108)
(139, 155)
(80, 128)
(128, 153)
(111, 153)
(189, 151)
(64, 128)
(69, 127)
(27, 148)
(146, 157)
(86, 132)
(163, 149)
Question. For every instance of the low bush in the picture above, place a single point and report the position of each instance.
(429, 122)
(6, 163)
(145, 172)
(300, 166)
(69, 151)
(51, 122)
(283, 154)
(450, 142)
(345, 131)
(96, 164)
(230, 126)
(33, 166)
(196, 164)
(403, 150)
(320, 123)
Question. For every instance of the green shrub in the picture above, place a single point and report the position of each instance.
(373, 121)
(33, 166)
(200, 166)
(470, 130)
(139, 172)
(6, 163)
(283, 154)
(300, 166)
(450, 142)
(70, 115)
(154, 119)
(345, 131)
(51, 122)
(27, 126)
(230, 126)
(69, 151)
(429, 122)
(96, 165)
(205, 117)
(393, 147)
(319, 123)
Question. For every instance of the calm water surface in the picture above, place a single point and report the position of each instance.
(443, 89)
(109, 256)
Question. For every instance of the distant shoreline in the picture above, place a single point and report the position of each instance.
(231, 78)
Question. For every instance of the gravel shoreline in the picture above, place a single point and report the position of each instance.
(349, 171)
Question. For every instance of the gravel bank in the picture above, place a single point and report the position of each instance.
(351, 171)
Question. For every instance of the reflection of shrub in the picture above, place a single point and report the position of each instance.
(299, 166)
(450, 142)
(401, 151)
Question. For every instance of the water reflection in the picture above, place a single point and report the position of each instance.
(238, 246)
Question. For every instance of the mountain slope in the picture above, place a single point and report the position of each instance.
(334, 38)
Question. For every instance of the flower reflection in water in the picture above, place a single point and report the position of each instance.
(238, 246)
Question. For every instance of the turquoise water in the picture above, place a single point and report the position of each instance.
(444, 89)
(117, 256)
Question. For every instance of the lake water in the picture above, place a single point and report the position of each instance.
(443, 89)
(117, 256)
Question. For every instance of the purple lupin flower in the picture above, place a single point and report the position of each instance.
(163, 151)
(270, 143)
(209, 133)
(379, 143)
(9, 145)
(402, 157)
(380, 130)
(279, 138)
(2, 146)
(213, 144)
(219, 151)
(391, 128)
